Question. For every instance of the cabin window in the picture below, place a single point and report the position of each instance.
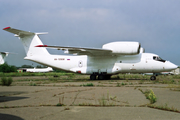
(157, 58)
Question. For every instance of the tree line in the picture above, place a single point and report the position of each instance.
(5, 68)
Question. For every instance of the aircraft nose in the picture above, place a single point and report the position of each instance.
(171, 66)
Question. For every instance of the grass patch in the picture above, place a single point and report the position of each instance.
(133, 76)
(149, 95)
(102, 101)
(152, 97)
(164, 107)
(118, 85)
(141, 81)
(88, 84)
(66, 108)
(14, 74)
(61, 100)
(6, 81)
(86, 104)
(32, 84)
(168, 82)
(107, 100)
(123, 84)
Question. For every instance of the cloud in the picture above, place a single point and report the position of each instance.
(155, 24)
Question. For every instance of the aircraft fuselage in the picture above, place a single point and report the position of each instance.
(141, 63)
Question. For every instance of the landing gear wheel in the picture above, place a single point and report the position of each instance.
(93, 77)
(100, 77)
(153, 78)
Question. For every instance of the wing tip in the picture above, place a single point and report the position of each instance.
(41, 46)
(6, 28)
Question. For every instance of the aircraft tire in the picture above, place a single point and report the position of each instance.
(153, 78)
(100, 77)
(92, 77)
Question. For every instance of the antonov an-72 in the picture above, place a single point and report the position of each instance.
(112, 58)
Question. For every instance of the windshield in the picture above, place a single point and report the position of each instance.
(157, 58)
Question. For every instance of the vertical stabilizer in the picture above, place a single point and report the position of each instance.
(29, 41)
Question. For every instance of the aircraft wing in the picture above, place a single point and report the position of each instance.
(80, 50)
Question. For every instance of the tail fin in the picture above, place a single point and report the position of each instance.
(3, 55)
(29, 41)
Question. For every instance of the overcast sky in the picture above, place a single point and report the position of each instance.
(92, 23)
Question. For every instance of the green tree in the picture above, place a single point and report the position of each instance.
(27, 66)
(39, 66)
(5, 68)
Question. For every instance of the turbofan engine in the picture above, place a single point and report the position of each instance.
(123, 48)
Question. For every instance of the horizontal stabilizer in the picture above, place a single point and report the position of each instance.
(18, 32)
(21, 33)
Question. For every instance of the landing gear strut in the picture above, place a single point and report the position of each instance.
(100, 77)
(153, 78)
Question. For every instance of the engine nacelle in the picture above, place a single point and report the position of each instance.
(124, 48)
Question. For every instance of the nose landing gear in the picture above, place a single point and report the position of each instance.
(153, 78)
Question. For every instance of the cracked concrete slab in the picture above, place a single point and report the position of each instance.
(88, 113)
(39, 102)
(38, 96)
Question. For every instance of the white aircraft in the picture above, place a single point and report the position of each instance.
(48, 69)
(112, 58)
(3, 55)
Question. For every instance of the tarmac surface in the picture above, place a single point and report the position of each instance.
(79, 103)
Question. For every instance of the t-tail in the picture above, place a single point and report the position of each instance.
(29, 41)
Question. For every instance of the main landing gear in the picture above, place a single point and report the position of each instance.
(93, 77)
(100, 77)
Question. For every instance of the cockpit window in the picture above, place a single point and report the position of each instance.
(157, 58)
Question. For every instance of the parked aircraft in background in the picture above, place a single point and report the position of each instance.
(112, 58)
(3, 55)
(49, 69)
